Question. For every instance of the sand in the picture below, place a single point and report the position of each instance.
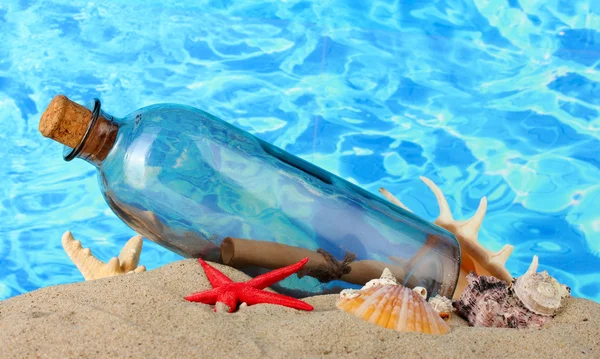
(145, 316)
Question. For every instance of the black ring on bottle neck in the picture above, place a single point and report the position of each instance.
(95, 114)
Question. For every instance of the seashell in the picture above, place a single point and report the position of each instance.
(349, 293)
(474, 256)
(539, 292)
(394, 307)
(489, 302)
(422, 292)
(442, 305)
(387, 278)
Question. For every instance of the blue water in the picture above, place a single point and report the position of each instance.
(496, 98)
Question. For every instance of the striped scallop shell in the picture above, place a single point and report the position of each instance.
(394, 307)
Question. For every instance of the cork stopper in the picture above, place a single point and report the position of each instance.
(65, 121)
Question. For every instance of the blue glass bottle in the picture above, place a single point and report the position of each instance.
(186, 180)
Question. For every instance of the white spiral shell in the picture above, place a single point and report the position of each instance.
(539, 292)
(441, 304)
(387, 278)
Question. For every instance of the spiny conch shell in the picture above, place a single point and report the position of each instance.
(475, 257)
(92, 268)
(539, 292)
(394, 307)
(489, 302)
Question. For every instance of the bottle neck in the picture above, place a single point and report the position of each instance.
(100, 141)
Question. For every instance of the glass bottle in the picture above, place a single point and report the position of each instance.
(198, 186)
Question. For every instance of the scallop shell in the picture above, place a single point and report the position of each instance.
(394, 307)
(539, 292)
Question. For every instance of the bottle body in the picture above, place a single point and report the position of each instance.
(187, 180)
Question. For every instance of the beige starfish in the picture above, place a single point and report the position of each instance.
(475, 257)
(93, 268)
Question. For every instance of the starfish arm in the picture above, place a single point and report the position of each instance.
(270, 278)
(230, 299)
(215, 277)
(253, 296)
(130, 254)
(206, 297)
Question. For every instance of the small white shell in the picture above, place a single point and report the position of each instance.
(539, 292)
(422, 292)
(441, 304)
(387, 278)
(349, 294)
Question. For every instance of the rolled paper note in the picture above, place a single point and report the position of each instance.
(240, 253)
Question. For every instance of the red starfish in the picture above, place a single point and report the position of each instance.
(231, 293)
